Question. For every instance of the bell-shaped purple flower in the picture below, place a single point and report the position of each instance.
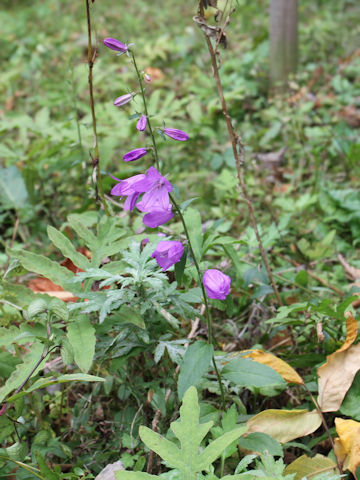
(157, 193)
(115, 45)
(217, 284)
(131, 188)
(167, 253)
(134, 154)
(157, 217)
(176, 134)
(120, 101)
(141, 123)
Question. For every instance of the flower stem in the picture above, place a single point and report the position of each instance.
(96, 160)
(146, 111)
(186, 231)
(238, 151)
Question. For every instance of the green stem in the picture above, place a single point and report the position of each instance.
(178, 210)
(146, 112)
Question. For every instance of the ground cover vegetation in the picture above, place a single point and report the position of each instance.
(180, 271)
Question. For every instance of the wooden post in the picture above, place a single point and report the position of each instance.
(283, 41)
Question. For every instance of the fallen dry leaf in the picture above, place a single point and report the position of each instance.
(308, 467)
(337, 374)
(285, 425)
(353, 273)
(281, 367)
(347, 446)
(44, 285)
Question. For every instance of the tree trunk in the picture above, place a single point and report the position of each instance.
(283, 41)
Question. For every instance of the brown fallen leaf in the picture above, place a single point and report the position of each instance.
(337, 374)
(347, 446)
(281, 367)
(285, 425)
(352, 272)
(44, 285)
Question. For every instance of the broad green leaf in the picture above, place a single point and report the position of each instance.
(129, 315)
(67, 248)
(22, 370)
(43, 266)
(193, 221)
(246, 373)
(124, 475)
(351, 404)
(44, 469)
(46, 382)
(195, 364)
(81, 335)
(261, 443)
(13, 192)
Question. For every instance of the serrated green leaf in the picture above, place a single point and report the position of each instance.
(67, 248)
(190, 434)
(43, 266)
(22, 370)
(82, 231)
(195, 364)
(214, 450)
(81, 335)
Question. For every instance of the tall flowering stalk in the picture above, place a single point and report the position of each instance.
(99, 189)
(157, 191)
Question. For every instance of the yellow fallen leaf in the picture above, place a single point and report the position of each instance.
(337, 374)
(281, 367)
(347, 446)
(285, 425)
(308, 467)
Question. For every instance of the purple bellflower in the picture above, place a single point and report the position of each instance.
(115, 45)
(131, 188)
(134, 154)
(217, 284)
(157, 217)
(176, 134)
(167, 253)
(141, 123)
(120, 101)
(157, 194)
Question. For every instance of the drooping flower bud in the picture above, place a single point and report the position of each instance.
(115, 45)
(134, 154)
(120, 101)
(167, 253)
(176, 134)
(141, 123)
(217, 284)
(147, 78)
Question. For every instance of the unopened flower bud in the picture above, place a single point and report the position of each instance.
(134, 154)
(147, 78)
(176, 134)
(141, 123)
(120, 101)
(115, 45)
